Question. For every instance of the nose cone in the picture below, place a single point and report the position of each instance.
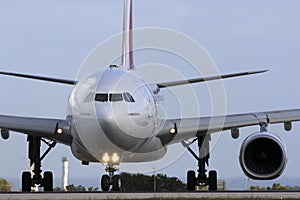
(126, 124)
(108, 120)
(104, 115)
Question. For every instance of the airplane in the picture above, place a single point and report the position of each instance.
(113, 117)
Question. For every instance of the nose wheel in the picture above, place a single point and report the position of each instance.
(116, 183)
(105, 183)
(111, 180)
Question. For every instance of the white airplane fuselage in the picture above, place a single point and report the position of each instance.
(114, 113)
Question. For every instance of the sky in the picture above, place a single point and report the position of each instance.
(53, 38)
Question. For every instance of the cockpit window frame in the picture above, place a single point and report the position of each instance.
(101, 97)
(89, 98)
(115, 97)
(128, 97)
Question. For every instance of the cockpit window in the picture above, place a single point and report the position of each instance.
(115, 97)
(101, 97)
(89, 98)
(128, 97)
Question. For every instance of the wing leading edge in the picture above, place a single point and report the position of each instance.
(41, 78)
(211, 78)
(192, 127)
(54, 129)
(160, 85)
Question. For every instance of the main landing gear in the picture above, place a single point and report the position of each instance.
(110, 180)
(201, 179)
(28, 180)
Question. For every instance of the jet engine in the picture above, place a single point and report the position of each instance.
(263, 156)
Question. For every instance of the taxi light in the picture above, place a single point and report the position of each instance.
(172, 130)
(105, 158)
(59, 131)
(115, 158)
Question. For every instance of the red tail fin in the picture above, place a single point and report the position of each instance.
(131, 61)
(124, 46)
(127, 39)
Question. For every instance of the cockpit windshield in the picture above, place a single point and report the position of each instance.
(102, 97)
(128, 97)
(114, 97)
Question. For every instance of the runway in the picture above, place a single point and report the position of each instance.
(188, 195)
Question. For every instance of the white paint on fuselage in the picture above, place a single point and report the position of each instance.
(126, 128)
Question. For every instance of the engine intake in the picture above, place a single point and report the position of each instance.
(263, 156)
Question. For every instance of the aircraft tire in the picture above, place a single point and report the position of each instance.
(48, 181)
(191, 180)
(105, 183)
(116, 183)
(212, 180)
(26, 181)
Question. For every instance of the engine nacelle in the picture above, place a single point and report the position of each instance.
(263, 156)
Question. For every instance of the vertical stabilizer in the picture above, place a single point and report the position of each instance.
(124, 41)
(127, 43)
(131, 61)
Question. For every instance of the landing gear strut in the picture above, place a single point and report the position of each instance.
(201, 179)
(110, 179)
(28, 180)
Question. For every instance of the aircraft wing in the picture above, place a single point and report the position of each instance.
(196, 80)
(54, 129)
(187, 128)
(41, 78)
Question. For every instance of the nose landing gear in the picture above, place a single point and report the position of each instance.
(111, 180)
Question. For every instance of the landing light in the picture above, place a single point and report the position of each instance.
(115, 158)
(105, 158)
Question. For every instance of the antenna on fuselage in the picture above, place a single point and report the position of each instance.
(127, 38)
